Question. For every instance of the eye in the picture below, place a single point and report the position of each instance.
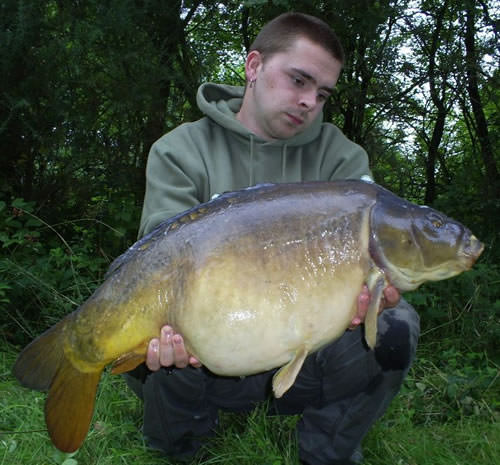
(436, 222)
(298, 81)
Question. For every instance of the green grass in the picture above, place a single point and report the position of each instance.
(463, 443)
(447, 414)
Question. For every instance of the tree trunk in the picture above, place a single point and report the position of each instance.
(492, 181)
(438, 95)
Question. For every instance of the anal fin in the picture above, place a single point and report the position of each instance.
(285, 376)
(128, 361)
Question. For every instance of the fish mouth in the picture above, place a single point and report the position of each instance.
(472, 250)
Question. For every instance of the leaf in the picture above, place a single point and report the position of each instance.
(65, 458)
(421, 386)
(70, 462)
(9, 444)
(18, 203)
(33, 222)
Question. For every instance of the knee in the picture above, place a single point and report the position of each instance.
(398, 331)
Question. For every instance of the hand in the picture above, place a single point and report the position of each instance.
(168, 351)
(390, 299)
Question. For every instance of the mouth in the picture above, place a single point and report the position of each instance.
(473, 250)
(296, 120)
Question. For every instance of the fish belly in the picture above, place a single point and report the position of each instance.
(246, 316)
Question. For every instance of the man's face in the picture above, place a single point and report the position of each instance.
(290, 89)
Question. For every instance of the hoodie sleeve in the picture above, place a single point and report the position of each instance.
(175, 178)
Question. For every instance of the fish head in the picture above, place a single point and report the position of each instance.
(414, 244)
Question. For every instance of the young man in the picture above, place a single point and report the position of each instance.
(271, 131)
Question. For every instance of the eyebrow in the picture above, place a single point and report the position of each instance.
(307, 76)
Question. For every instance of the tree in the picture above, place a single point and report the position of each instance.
(433, 31)
(481, 125)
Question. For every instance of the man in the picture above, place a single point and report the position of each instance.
(271, 131)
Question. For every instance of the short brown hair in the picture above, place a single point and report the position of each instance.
(278, 34)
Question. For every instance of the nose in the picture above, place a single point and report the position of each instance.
(308, 99)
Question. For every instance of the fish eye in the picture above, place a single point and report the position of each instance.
(436, 221)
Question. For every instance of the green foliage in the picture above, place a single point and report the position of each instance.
(42, 275)
(450, 385)
(465, 308)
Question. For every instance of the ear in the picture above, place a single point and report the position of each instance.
(253, 64)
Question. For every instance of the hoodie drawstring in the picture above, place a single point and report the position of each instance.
(252, 144)
(284, 157)
(283, 163)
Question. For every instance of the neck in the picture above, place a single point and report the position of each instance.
(245, 118)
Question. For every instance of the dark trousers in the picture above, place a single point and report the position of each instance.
(340, 391)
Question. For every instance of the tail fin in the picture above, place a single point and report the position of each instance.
(70, 405)
(38, 363)
(43, 366)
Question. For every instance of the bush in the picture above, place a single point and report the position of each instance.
(42, 274)
(465, 308)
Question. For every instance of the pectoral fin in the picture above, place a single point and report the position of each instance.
(285, 376)
(376, 287)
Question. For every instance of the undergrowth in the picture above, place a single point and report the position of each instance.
(43, 275)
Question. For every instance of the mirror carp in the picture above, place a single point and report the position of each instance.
(253, 280)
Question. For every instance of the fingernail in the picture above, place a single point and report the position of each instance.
(154, 345)
(166, 332)
(177, 339)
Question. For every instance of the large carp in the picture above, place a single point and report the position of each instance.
(253, 280)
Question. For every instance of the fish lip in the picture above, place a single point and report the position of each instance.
(472, 250)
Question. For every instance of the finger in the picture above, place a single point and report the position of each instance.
(391, 296)
(363, 304)
(362, 307)
(181, 357)
(166, 349)
(193, 361)
(152, 356)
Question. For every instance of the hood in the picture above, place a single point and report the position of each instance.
(221, 103)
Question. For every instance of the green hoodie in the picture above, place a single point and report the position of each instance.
(217, 153)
